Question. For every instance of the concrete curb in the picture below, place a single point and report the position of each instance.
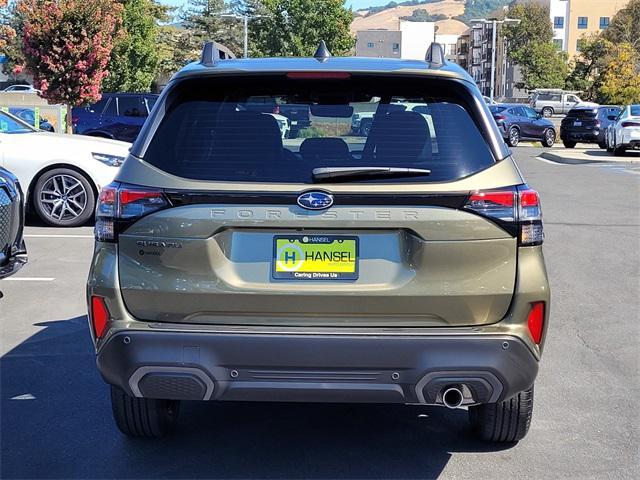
(583, 159)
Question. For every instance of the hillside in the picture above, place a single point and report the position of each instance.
(456, 11)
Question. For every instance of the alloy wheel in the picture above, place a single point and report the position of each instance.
(63, 197)
(550, 137)
(514, 137)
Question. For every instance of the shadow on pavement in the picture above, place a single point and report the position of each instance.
(56, 423)
(605, 154)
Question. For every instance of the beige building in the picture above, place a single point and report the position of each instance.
(410, 41)
(584, 17)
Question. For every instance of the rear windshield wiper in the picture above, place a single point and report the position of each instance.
(336, 173)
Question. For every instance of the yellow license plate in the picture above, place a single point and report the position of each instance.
(315, 257)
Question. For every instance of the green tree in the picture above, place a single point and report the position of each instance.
(535, 27)
(625, 26)
(620, 82)
(480, 8)
(544, 68)
(586, 67)
(422, 15)
(203, 21)
(296, 27)
(530, 46)
(176, 48)
(134, 60)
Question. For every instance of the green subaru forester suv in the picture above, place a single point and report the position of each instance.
(237, 261)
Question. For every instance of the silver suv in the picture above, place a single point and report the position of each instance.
(402, 267)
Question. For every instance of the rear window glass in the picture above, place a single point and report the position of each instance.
(608, 111)
(549, 97)
(583, 112)
(635, 110)
(496, 108)
(276, 129)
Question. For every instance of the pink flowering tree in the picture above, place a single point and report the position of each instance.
(67, 45)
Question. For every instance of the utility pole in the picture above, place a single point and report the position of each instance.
(245, 20)
(494, 22)
(493, 60)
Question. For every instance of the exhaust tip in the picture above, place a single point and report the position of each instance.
(452, 397)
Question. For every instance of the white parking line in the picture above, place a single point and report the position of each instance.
(56, 236)
(29, 279)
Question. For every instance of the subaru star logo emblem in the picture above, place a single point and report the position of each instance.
(315, 200)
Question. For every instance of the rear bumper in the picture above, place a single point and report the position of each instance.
(583, 137)
(631, 138)
(12, 266)
(318, 367)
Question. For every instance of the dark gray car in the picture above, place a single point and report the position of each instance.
(521, 122)
(588, 125)
(12, 247)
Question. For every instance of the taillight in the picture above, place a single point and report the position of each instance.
(630, 124)
(535, 321)
(500, 118)
(276, 109)
(120, 205)
(99, 316)
(517, 210)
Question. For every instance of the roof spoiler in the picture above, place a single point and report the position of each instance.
(435, 55)
(213, 52)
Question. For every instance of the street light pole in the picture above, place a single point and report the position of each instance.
(246, 35)
(494, 45)
(493, 61)
(245, 20)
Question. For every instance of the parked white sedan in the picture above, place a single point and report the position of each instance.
(61, 175)
(624, 133)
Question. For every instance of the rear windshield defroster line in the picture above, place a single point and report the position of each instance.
(271, 129)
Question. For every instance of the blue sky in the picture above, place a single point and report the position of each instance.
(356, 4)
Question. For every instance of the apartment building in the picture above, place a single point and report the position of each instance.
(477, 42)
(462, 49)
(573, 19)
(410, 41)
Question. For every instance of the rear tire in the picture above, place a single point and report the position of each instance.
(506, 421)
(602, 145)
(569, 144)
(549, 138)
(513, 139)
(143, 417)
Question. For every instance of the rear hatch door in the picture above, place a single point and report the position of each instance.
(250, 235)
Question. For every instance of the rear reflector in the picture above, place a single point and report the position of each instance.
(99, 316)
(535, 322)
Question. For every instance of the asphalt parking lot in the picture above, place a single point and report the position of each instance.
(55, 411)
